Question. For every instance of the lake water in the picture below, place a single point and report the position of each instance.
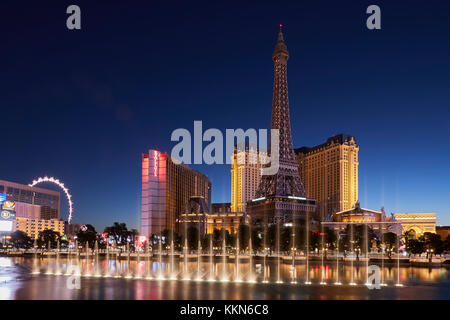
(17, 282)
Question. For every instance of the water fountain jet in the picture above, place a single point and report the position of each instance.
(35, 269)
(49, 269)
(87, 274)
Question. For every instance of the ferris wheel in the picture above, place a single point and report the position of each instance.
(59, 184)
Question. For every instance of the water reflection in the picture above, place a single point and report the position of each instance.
(18, 283)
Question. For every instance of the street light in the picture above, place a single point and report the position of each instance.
(430, 255)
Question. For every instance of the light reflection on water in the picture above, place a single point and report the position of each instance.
(433, 283)
(328, 272)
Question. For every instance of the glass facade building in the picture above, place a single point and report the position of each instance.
(166, 188)
(48, 200)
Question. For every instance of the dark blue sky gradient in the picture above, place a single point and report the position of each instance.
(83, 105)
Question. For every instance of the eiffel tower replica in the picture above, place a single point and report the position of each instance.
(281, 197)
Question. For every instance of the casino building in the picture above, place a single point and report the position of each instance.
(329, 173)
(166, 188)
(32, 202)
(197, 215)
(34, 209)
(245, 175)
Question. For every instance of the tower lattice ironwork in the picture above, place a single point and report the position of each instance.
(286, 182)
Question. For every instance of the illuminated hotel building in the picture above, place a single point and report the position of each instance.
(166, 188)
(245, 176)
(36, 209)
(32, 227)
(32, 202)
(330, 173)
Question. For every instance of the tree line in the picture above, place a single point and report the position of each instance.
(118, 233)
(270, 238)
(286, 238)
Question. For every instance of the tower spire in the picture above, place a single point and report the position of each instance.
(280, 47)
(287, 181)
(281, 197)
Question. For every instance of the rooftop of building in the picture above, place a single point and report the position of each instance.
(415, 214)
(336, 139)
(183, 165)
(197, 205)
(248, 146)
(360, 210)
(27, 187)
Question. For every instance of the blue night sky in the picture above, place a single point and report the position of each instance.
(83, 105)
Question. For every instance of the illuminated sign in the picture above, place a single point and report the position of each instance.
(6, 225)
(259, 199)
(9, 205)
(2, 198)
(141, 241)
(7, 215)
(155, 162)
(8, 211)
(296, 198)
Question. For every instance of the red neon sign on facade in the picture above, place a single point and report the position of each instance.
(155, 162)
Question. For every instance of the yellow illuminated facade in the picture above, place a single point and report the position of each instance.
(32, 227)
(245, 176)
(416, 223)
(358, 215)
(329, 173)
(361, 215)
(229, 221)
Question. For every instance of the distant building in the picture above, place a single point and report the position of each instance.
(362, 215)
(245, 175)
(166, 188)
(329, 173)
(222, 217)
(31, 200)
(36, 209)
(228, 221)
(443, 231)
(416, 224)
(221, 207)
(197, 215)
(358, 214)
(26, 210)
(32, 227)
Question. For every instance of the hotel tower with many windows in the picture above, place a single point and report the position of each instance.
(330, 174)
(166, 188)
(245, 175)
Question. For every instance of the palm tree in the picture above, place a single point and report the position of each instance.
(48, 236)
(21, 240)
